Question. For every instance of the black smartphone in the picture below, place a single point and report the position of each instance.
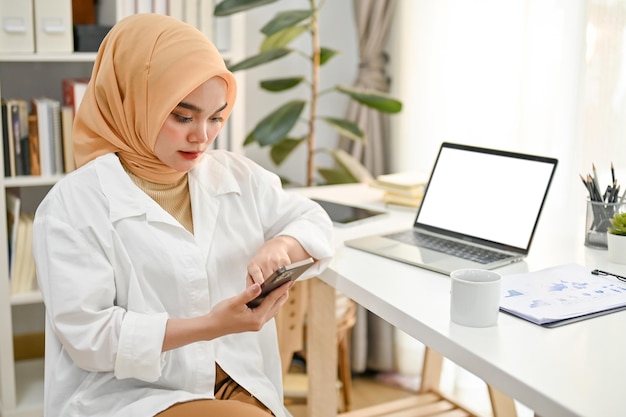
(283, 274)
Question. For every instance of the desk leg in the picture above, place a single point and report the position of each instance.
(321, 350)
(431, 371)
(501, 404)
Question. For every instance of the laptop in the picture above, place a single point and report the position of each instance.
(480, 210)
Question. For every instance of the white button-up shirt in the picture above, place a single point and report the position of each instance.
(113, 266)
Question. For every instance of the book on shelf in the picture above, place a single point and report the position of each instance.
(14, 204)
(7, 141)
(33, 144)
(57, 135)
(37, 142)
(561, 294)
(23, 278)
(67, 121)
(19, 120)
(73, 91)
(15, 137)
(48, 114)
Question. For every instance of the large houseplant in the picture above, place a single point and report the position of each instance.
(275, 130)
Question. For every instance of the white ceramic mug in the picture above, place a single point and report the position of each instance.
(475, 297)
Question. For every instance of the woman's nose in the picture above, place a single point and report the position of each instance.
(199, 134)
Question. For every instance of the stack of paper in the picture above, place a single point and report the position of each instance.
(561, 294)
(404, 188)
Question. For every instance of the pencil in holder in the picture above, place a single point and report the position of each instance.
(598, 220)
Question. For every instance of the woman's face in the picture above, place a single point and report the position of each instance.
(192, 126)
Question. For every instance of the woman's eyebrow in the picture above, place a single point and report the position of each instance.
(197, 109)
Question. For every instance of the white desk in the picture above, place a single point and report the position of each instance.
(574, 370)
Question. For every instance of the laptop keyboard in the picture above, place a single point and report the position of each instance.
(458, 249)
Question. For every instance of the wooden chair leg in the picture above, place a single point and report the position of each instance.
(290, 324)
(345, 372)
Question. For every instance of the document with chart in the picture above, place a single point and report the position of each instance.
(561, 294)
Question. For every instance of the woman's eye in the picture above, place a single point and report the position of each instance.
(217, 119)
(182, 119)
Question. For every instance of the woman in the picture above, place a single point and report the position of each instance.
(148, 253)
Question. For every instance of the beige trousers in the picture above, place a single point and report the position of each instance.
(231, 400)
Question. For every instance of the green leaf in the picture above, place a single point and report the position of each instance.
(281, 84)
(250, 139)
(228, 7)
(282, 38)
(348, 169)
(352, 165)
(376, 100)
(284, 20)
(275, 126)
(260, 59)
(336, 176)
(326, 54)
(345, 128)
(283, 149)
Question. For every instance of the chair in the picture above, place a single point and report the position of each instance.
(291, 325)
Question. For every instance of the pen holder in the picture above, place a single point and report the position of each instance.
(598, 220)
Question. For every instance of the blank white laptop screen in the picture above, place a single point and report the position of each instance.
(489, 196)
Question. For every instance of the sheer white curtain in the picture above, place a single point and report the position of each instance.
(487, 72)
(537, 76)
(605, 87)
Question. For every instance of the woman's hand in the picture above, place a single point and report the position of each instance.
(231, 315)
(276, 252)
(234, 316)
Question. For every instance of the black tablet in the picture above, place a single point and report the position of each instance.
(345, 215)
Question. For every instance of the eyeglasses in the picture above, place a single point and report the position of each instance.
(604, 273)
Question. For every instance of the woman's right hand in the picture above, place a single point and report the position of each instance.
(229, 316)
(234, 316)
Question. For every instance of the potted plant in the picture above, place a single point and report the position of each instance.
(275, 131)
(616, 239)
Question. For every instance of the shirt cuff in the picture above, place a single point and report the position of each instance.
(140, 346)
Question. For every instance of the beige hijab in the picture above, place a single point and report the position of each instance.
(145, 66)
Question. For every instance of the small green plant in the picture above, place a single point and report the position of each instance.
(618, 224)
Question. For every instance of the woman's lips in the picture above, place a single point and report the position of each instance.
(190, 155)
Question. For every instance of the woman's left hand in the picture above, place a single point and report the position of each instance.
(276, 252)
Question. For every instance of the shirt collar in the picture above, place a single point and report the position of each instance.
(210, 178)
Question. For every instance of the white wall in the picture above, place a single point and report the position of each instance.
(337, 31)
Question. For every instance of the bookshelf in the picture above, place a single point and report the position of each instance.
(28, 75)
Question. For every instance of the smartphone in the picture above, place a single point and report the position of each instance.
(283, 274)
